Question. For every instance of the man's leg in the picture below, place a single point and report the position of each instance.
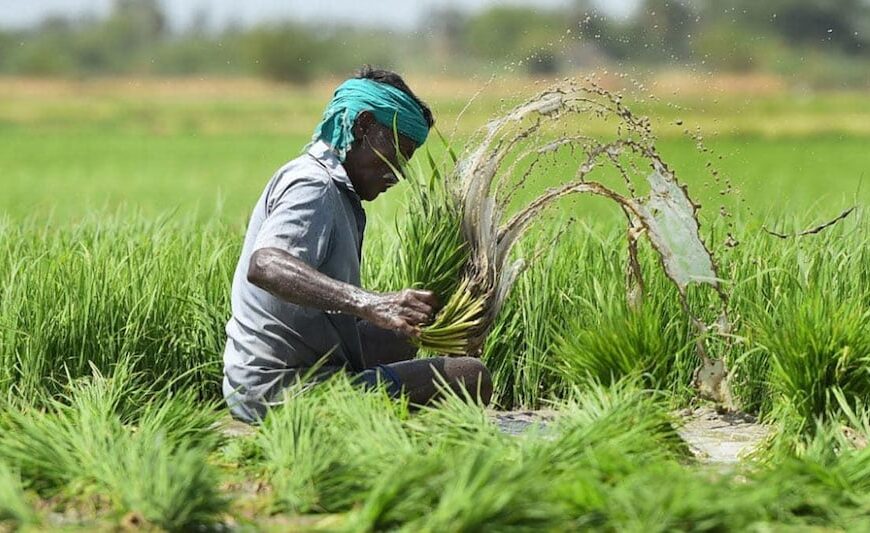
(422, 379)
(381, 346)
(252, 404)
(389, 358)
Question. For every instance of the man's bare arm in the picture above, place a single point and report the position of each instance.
(295, 281)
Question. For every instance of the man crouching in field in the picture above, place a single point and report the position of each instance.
(296, 298)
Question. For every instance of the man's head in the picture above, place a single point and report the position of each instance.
(383, 111)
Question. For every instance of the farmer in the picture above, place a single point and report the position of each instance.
(297, 304)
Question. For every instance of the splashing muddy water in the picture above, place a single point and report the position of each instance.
(524, 146)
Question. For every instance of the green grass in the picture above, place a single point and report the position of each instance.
(119, 237)
(65, 176)
(80, 299)
(15, 509)
(156, 146)
(611, 462)
(119, 444)
(154, 290)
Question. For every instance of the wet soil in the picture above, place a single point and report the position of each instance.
(515, 422)
(721, 438)
(716, 438)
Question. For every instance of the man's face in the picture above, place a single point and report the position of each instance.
(373, 152)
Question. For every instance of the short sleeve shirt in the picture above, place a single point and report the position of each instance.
(310, 210)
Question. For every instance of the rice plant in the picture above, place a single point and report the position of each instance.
(669, 497)
(817, 346)
(168, 483)
(622, 418)
(121, 427)
(608, 343)
(111, 331)
(138, 450)
(15, 509)
(433, 228)
(823, 476)
(363, 430)
(449, 467)
(521, 350)
(111, 288)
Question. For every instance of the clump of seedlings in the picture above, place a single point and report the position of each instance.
(467, 216)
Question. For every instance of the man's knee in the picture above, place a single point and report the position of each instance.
(472, 374)
(240, 408)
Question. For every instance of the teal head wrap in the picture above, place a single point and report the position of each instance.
(388, 104)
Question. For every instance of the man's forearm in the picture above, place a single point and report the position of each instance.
(297, 282)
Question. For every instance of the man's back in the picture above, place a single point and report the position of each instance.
(310, 210)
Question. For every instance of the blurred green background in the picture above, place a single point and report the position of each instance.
(822, 43)
(124, 108)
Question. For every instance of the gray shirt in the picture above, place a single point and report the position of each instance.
(310, 210)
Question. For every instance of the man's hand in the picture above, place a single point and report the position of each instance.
(403, 311)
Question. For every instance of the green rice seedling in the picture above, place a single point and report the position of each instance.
(817, 346)
(622, 418)
(109, 288)
(461, 474)
(147, 459)
(157, 466)
(612, 461)
(572, 294)
(665, 496)
(845, 427)
(313, 465)
(15, 510)
(618, 464)
(405, 490)
(520, 350)
(819, 476)
(771, 279)
(822, 478)
(602, 436)
(433, 251)
(394, 471)
(169, 483)
(161, 471)
(440, 438)
(793, 495)
(454, 419)
(370, 429)
(58, 449)
(610, 342)
(181, 416)
(298, 452)
(127, 395)
(488, 488)
(638, 492)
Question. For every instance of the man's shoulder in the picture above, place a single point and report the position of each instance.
(304, 168)
(301, 173)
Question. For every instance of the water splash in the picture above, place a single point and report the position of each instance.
(507, 154)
